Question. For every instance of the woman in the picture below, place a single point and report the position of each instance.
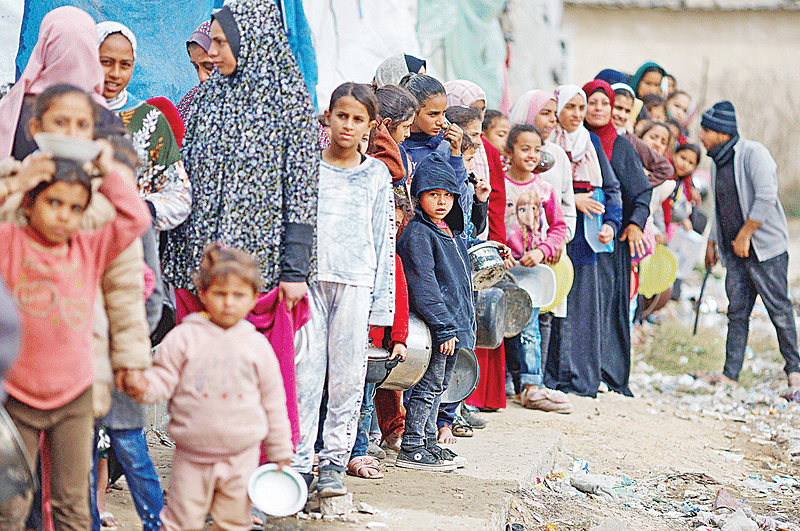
(538, 108)
(197, 47)
(395, 68)
(615, 268)
(578, 362)
(161, 177)
(254, 174)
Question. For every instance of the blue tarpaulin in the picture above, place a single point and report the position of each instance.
(161, 27)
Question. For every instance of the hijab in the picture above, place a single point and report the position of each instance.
(528, 106)
(645, 68)
(395, 68)
(414, 64)
(463, 92)
(577, 144)
(607, 132)
(66, 52)
(250, 151)
(123, 101)
(201, 36)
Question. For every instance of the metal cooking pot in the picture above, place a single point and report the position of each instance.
(418, 355)
(16, 476)
(490, 315)
(379, 366)
(487, 265)
(465, 377)
(518, 306)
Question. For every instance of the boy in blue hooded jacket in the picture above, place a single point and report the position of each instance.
(440, 291)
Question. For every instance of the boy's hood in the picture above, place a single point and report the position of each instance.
(434, 172)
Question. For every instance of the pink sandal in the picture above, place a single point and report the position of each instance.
(365, 466)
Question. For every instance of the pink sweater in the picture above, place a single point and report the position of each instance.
(54, 288)
(550, 234)
(224, 388)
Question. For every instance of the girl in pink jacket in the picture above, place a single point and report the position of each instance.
(225, 395)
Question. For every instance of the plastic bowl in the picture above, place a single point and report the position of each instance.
(68, 147)
(540, 283)
(276, 492)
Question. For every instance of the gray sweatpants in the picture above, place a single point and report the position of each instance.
(336, 346)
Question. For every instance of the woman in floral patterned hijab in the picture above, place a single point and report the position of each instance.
(250, 152)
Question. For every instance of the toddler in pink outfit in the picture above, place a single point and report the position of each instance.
(225, 395)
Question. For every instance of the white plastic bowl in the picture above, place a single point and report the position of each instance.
(68, 147)
(540, 283)
(276, 492)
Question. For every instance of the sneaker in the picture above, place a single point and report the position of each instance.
(376, 451)
(422, 459)
(448, 455)
(330, 482)
(472, 419)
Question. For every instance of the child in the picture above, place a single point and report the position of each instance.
(225, 395)
(54, 271)
(532, 240)
(656, 135)
(440, 291)
(495, 129)
(354, 288)
(656, 110)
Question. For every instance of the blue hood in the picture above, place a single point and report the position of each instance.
(434, 172)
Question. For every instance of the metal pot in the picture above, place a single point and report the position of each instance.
(465, 377)
(379, 366)
(487, 265)
(16, 476)
(518, 306)
(418, 355)
(490, 315)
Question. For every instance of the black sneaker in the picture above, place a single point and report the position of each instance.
(448, 455)
(422, 459)
(330, 482)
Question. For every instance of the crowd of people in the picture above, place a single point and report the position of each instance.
(261, 250)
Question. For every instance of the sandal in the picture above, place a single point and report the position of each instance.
(365, 466)
(547, 400)
(462, 429)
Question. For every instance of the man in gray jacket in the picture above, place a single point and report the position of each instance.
(749, 233)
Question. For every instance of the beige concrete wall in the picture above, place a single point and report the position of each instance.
(749, 57)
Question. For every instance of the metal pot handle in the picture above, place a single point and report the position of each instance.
(391, 364)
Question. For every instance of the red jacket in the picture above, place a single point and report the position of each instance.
(497, 198)
(398, 332)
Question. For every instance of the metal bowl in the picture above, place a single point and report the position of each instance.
(418, 355)
(518, 306)
(487, 265)
(379, 366)
(465, 377)
(16, 477)
(490, 316)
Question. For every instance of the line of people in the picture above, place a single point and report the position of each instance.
(251, 221)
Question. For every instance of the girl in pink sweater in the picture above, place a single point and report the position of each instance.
(53, 271)
(225, 395)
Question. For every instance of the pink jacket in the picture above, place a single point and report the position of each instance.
(224, 388)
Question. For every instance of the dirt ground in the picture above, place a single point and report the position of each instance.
(669, 450)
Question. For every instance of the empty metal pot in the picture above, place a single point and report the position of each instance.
(465, 377)
(487, 265)
(490, 316)
(16, 477)
(379, 366)
(518, 306)
(418, 355)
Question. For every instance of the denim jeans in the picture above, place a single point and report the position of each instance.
(746, 278)
(364, 422)
(527, 348)
(423, 403)
(130, 447)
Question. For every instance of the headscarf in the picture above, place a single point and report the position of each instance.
(415, 64)
(123, 101)
(528, 106)
(606, 132)
(228, 24)
(66, 52)
(392, 70)
(463, 92)
(201, 36)
(577, 144)
(250, 152)
(645, 68)
(612, 76)
(624, 86)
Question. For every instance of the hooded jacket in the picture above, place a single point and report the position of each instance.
(436, 264)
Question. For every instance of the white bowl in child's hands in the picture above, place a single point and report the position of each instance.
(277, 492)
(68, 147)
